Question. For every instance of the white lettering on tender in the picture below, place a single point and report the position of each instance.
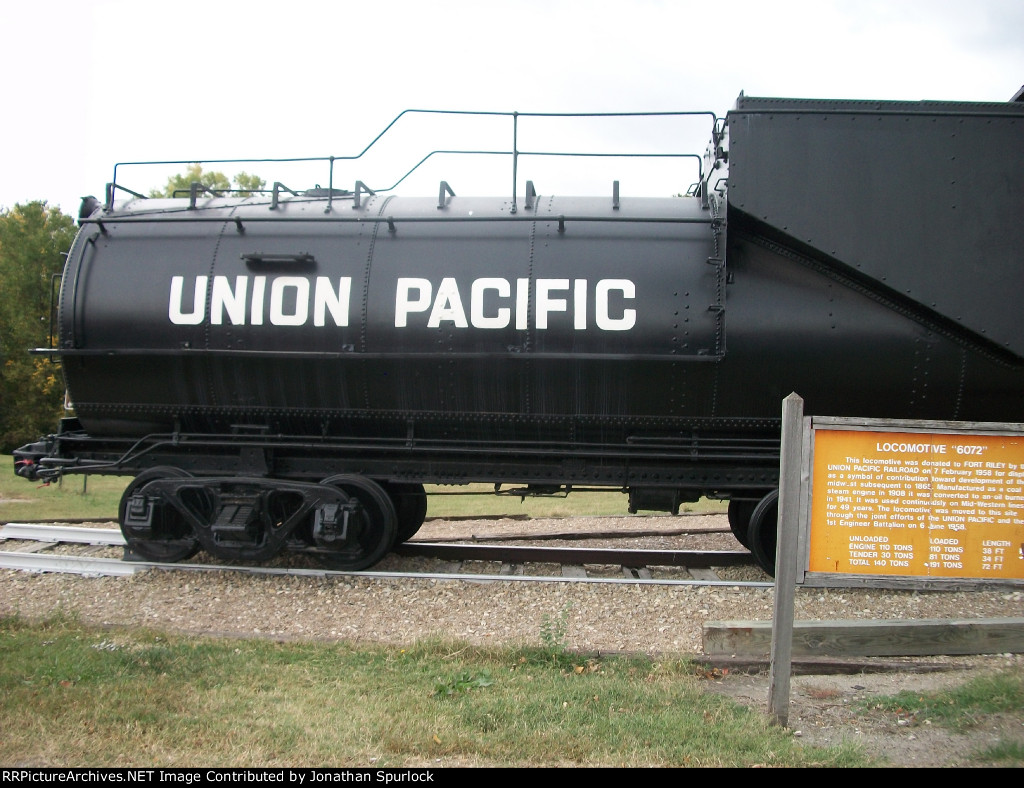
(494, 303)
(175, 312)
(491, 302)
(289, 303)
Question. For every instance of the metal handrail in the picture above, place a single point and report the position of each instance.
(514, 151)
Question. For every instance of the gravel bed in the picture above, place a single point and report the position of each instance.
(594, 617)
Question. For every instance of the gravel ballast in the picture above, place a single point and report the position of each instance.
(657, 620)
(653, 619)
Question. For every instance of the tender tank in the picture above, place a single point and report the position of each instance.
(490, 323)
(865, 255)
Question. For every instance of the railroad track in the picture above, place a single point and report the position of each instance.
(101, 551)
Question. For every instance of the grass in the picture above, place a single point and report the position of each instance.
(74, 497)
(75, 696)
(71, 695)
(97, 497)
(960, 708)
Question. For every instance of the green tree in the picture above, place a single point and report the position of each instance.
(249, 183)
(33, 238)
(244, 183)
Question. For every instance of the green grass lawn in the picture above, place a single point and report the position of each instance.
(81, 497)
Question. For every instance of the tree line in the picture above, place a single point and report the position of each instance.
(34, 241)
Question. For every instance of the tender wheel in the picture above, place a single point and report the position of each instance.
(410, 502)
(763, 531)
(168, 536)
(740, 511)
(371, 530)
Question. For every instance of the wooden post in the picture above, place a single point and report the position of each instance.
(785, 559)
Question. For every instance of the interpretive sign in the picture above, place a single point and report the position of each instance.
(888, 503)
(942, 504)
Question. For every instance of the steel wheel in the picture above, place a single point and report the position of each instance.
(740, 511)
(763, 531)
(410, 502)
(371, 529)
(170, 536)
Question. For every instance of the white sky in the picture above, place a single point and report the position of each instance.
(88, 83)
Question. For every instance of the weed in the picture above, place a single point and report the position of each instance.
(553, 630)
(463, 681)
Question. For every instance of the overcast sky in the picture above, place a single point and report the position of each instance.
(89, 83)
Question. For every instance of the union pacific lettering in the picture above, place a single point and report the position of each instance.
(493, 302)
(287, 304)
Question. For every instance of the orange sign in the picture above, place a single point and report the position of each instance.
(917, 504)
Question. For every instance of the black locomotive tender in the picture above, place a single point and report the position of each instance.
(284, 372)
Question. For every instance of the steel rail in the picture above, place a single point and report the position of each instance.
(69, 564)
(34, 562)
(576, 555)
(443, 550)
(62, 533)
(85, 565)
